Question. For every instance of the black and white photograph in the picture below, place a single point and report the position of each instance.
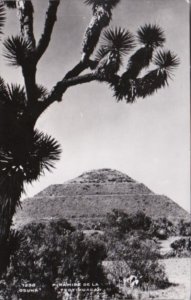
(95, 150)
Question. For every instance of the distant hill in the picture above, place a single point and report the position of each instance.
(94, 194)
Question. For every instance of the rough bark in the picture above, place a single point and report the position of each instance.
(6, 215)
(61, 86)
(29, 74)
(101, 18)
(25, 14)
(48, 28)
(80, 67)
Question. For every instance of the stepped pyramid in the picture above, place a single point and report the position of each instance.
(92, 195)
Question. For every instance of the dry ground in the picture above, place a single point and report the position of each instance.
(179, 273)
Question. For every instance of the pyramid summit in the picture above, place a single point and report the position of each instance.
(92, 195)
(97, 182)
(103, 175)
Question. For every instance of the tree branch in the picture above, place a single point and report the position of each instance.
(60, 88)
(25, 14)
(80, 67)
(100, 19)
(57, 92)
(48, 28)
(62, 85)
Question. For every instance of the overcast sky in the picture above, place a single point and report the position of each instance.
(148, 140)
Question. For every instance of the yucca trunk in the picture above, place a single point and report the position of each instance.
(5, 223)
(6, 215)
(11, 187)
(151, 82)
(25, 14)
(108, 66)
(137, 62)
(29, 74)
(101, 18)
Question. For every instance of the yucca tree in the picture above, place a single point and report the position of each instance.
(151, 37)
(24, 155)
(24, 151)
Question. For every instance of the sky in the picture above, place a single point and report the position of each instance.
(148, 140)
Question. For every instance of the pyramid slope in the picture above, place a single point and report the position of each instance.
(93, 195)
(102, 175)
(99, 182)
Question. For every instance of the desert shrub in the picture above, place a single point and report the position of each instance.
(150, 273)
(51, 253)
(124, 222)
(181, 247)
(162, 228)
(91, 224)
(140, 221)
(184, 228)
(139, 256)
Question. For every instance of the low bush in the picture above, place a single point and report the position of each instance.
(53, 253)
(138, 256)
(184, 228)
(123, 223)
(181, 247)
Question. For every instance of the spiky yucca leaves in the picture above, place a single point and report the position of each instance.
(151, 82)
(116, 43)
(17, 49)
(2, 15)
(3, 90)
(23, 150)
(101, 53)
(158, 78)
(41, 155)
(12, 94)
(125, 90)
(42, 93)
(151, 36)
(16, 96)
(29, 161)
(110, 3)
(129, 86)
(20, 164)
(118, 39)
(12, 114)
(166, 60)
